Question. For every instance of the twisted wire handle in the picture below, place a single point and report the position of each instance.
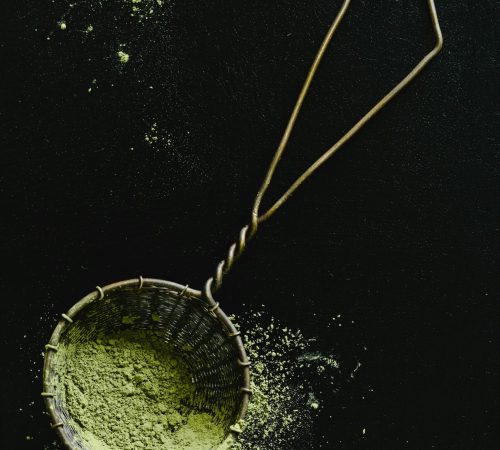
(235, 251)
(248, 231)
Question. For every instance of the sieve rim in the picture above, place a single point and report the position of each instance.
(58, 422)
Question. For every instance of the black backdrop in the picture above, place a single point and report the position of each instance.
(398, 233)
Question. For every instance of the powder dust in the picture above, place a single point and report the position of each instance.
(130, 391)
(284, 405)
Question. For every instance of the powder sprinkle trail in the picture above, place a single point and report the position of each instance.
(284, 405)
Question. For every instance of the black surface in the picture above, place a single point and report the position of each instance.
(398, 233)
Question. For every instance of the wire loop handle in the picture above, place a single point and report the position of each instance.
(249, 231)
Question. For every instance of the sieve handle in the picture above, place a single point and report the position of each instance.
(248, 231)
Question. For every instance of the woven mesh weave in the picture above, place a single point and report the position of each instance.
(182, 318)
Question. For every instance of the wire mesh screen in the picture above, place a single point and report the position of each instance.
(179, 318)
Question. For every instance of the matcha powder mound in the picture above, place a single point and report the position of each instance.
(130, 391)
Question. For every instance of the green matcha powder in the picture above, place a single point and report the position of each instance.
(130, 391)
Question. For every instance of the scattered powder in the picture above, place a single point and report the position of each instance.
(129, 390)
(157, 138)
(283, 407)
(173, 147)
(144, 10)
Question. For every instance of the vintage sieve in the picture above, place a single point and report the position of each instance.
(219, 365)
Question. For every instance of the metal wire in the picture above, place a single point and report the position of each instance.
(248, 231)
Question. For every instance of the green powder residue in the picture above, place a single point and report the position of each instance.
(129, 320)
(278, 415)
(123, 57)
(130, 391)
(145, 10)
(285, 402)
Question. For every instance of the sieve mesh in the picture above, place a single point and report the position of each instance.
(202, 335)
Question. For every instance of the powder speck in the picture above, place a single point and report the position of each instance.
(123, 57)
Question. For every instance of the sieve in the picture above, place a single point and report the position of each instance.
(184, 316)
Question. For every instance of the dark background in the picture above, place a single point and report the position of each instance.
(398, 233)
